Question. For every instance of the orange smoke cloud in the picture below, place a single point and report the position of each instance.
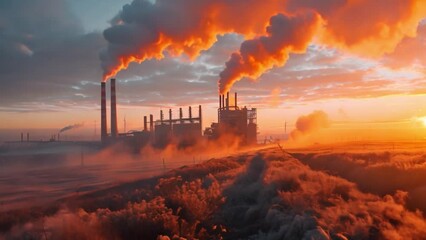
(151, 30)
(370, 28)
(309, 124)
(285, 34)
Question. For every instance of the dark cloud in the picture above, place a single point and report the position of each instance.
(44, 52)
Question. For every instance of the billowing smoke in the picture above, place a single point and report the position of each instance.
(379, 27)
(145, 30)
(70, 127)
(285, 34)
(309, 124)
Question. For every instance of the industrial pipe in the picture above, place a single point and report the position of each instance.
(114, 128)
(104, 133)
(227, 101)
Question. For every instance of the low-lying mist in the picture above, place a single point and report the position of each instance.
(35, 174)
(262, 194)
(379, 172)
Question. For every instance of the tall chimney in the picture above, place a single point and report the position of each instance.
(114, 129)
(220, 101)
(223, 100)
(170, 117)
(190, 114)
(161, 117)
(145, 123)
(180, 115)
(235, 100)
(28, 137)
(200, 116)
(104, 133)
(227, 101)
(151, 122)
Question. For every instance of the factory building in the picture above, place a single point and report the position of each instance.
(240, 122)
(183, 131)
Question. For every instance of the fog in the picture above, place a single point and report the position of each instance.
(253, 194)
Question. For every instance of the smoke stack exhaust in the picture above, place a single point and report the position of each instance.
(190, 114)
(104, 133)
(114, 128)
(180, 115)
(223, 101)
(145, 123)
(236, 100)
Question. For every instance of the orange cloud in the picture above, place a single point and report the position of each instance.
(370, 28)
(310, 123)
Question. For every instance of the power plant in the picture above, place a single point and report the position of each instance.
(183, 131)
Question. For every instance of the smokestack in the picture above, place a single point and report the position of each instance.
(114, 129)
(180, 115)
(170, 117)
(104, 133)
(22, 137)
(161, 117)
(200, 116)
(151, 122)
(236, 100)
(223, 100)
(190, 114)
(28, 137)
(227, 101)
(145, 123)
(220, 101)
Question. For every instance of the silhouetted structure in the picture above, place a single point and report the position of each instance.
(240, 122)
(182, 131)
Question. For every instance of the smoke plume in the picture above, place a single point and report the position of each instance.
(285, 34)
(70, 127)
(381, 27)
(309, 124)
(145, 30)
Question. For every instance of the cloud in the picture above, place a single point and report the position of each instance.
(285, 34)
(309, 124)
(407, 52)
(43, 52)
(151, 30)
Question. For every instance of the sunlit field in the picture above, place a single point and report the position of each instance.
(346, 191)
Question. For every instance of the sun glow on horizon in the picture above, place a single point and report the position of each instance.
(422, 120)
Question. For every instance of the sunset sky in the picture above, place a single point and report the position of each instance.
(370, 81)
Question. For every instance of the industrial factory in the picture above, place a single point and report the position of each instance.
(182, 131)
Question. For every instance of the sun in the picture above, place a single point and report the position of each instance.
(423, 120)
